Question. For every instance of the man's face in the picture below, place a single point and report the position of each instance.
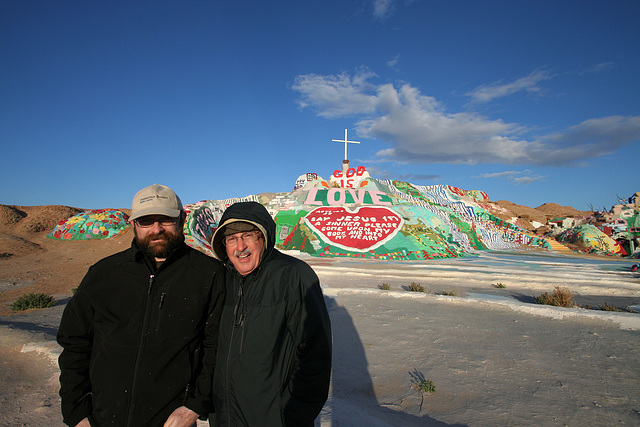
(158, 235)
(244, 250)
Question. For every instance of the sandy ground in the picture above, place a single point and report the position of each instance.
(495, 357)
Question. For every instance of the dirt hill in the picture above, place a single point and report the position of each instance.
(27, 257)
(541, 214)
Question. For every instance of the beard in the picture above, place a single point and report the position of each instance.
(160, 249)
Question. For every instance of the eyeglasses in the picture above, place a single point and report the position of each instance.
(248, 237)
(148, 221)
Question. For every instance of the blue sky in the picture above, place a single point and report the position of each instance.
(528, 101)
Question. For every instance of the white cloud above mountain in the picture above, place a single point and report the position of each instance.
(517, 177)
(418, 129)
(489, 92)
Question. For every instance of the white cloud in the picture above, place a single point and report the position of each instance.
(518, 177)
(419, 130)
(599, 68)
(337, 96)
(528, 179)
(382, 8)
(410, 177)
(505, 174)
(393, 61)
(419, 177)
(486, 93)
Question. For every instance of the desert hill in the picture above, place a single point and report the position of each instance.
(541, 214)
(28, 258)
(32, 219)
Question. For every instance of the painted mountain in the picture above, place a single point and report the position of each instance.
(363, 217)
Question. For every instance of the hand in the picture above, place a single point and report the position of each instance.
(181, 417)
(84, 423)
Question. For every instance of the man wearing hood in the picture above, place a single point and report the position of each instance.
(274, 351)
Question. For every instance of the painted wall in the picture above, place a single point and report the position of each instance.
(394, 220)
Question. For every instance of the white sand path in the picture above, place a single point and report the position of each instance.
(494, 356)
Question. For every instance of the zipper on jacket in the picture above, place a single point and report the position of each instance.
(238, 321)
(240, 313)
(162, 296)
(141, 342)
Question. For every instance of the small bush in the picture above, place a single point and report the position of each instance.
(500, 285)
(607, 307)
(416, 287)
(423, 385)
(33, 300)
(385, 287)
(561, 297)
(449, 293)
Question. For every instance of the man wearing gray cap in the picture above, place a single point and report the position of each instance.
(274, 354)
(139, 335)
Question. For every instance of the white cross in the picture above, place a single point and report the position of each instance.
(346, 141)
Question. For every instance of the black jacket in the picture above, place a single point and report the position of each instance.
(133, 338)
(274, 353)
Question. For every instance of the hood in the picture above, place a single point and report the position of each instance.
(252, 212)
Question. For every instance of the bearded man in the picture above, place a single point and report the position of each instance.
(139, 335)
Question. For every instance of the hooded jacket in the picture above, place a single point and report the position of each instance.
(133, 338)
(274, 355)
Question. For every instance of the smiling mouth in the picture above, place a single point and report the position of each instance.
(244, 256)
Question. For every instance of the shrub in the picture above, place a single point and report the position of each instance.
(33, 300)
(385, 287)
(449, 293)
(561, 297)
(426, 386)
(423, 385)
(416, 287)
(607, 307)
(500, 285)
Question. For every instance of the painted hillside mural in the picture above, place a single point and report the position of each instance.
(354, 215)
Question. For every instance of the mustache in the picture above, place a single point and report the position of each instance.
(158, 236)
(246, 251)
